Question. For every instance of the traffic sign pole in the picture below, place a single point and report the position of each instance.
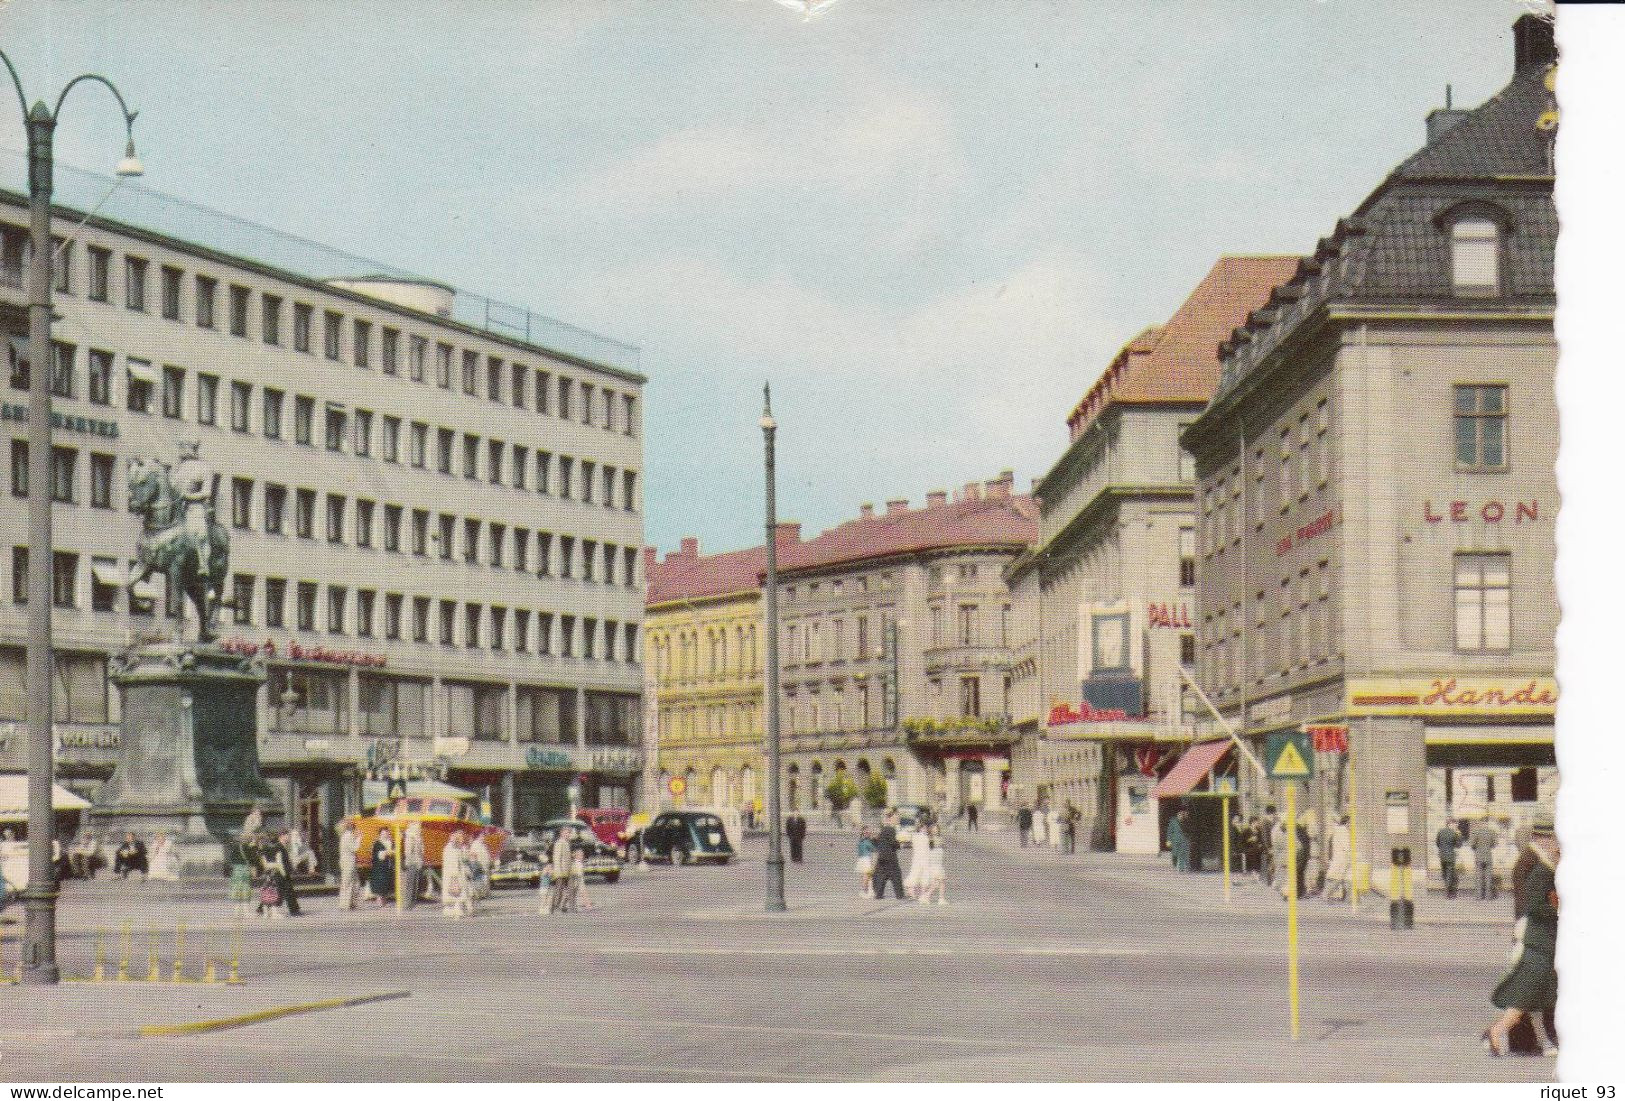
(1292, 903)
(1224, 813)
(1354, 828)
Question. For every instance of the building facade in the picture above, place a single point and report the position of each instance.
(435, 526)
(704, 642)
(1106, 598)
(895, 639)
(1377, 494)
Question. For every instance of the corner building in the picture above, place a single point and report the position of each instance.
(1106, 598)
(434, 501)
(1377, 494)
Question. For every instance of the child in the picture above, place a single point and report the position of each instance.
(866, 862)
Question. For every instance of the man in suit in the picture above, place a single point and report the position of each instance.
(1024, 824)
(887, 869)
(795, 828)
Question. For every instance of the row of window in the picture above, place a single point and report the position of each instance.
(677, 658)
(359, 432)
(282, 322)
(968, 630)
(364, 613)
(711, 722)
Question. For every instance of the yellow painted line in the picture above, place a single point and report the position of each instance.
(193, 1027)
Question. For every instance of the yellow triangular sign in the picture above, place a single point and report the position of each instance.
(1290, 762)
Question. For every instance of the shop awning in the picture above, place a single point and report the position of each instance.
(14, 798)
(1190, 769)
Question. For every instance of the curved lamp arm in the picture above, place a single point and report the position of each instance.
(17, 82)
(129, 115)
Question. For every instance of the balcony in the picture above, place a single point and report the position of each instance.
(994, 730)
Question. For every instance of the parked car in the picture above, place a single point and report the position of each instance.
(684, 837)
(522, 864)
(608, 823)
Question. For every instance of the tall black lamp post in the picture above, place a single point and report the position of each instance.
(39, 897)
(775, 821)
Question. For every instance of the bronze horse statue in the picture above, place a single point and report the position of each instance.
(193, 558)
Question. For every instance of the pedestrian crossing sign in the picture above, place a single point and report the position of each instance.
(1289, 756)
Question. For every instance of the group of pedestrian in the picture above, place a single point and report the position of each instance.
(878, 862)
(263, 881)
(563, 881)
(1455, 838)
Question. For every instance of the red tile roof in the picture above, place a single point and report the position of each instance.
(1179, 361)
(1002, 519)
(685, 576)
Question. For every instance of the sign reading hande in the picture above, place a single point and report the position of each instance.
(1474, 695)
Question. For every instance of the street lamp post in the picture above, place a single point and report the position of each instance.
(775, 823)
(39, 897)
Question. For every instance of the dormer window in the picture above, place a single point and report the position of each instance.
(1475, 256)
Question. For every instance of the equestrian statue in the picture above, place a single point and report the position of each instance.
(180, 536)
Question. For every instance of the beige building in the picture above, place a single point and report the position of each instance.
(1376, 488)
(896, 637)
(704, 640)
(1106, 599)
(435, 510)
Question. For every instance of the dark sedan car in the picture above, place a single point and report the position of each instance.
(522, 864)
(685, 837)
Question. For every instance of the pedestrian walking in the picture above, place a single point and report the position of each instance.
(1484, 841)
(131, 857)
(1448, 840)
(349, 850)
(280, 864)
(887, 869)
(936, 874)
(1024, 824)
(1530, 985)
(559, 864)
(919, 860)
(866, 864)
(795, 829)
(479, 854)
(412, 859)
(579, 899)
(456, 892)
(1179, 843)
(165, 861)
(1040, 820)
(972, 811)
(1070, 824)
(381, 880)
(1339, 861)
(1278, 868)
(1052, 827)
(241, 888)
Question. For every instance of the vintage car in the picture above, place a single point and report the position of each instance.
(440, 816)
(523, 862)
(607, 823)
(684, 837)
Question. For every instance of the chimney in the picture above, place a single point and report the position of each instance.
(936, 498)
(786, 534)
(998, 489)
(1444, 120)
(649, 556)
(1534, 44)
(691, 548)
(973, 491)
(866, 511)
(894, 507)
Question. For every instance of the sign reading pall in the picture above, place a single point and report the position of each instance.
(1168, 616)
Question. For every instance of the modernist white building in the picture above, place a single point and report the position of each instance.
(436, 519)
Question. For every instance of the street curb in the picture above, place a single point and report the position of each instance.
(192, 1028)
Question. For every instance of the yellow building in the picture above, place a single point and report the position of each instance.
(704, 643)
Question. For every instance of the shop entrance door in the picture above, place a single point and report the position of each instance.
(310, 819)
(1137, 826)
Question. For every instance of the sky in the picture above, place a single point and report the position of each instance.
(928, 223)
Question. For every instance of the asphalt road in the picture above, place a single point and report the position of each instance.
(1040, 968)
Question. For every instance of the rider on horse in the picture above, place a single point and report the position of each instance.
(195, 483)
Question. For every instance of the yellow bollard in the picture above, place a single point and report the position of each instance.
(125, 936)
(400, 850)
(236, 951)
(1293, 886)
(208, 970)
(152, 955)
(175, 975)
(1224, 817)
(100, 972)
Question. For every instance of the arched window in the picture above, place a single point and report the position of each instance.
(1475, 256)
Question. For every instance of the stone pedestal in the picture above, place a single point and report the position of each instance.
(188, 761)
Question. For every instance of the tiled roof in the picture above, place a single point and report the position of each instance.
(1005, 520)
(1395, 247)
(689, 577)
(1178, 362)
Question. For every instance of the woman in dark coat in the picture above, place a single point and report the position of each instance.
(1531, 985)
(381, 880)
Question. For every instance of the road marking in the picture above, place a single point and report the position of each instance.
(776, 1030)
(192, 1028)
(799, 950)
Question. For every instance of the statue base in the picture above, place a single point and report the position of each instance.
(188, 762)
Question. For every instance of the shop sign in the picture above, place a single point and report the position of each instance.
(614, 760)
(66, 422)
(87, 739)
(1490, 512)
(1472, 695)
(1328, 738)
(1168, 616)
(296, 652)
(537, 757)
(317, 745)
(1064, 714)
(1320, 525)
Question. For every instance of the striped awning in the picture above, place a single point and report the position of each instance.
(1191, 768)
